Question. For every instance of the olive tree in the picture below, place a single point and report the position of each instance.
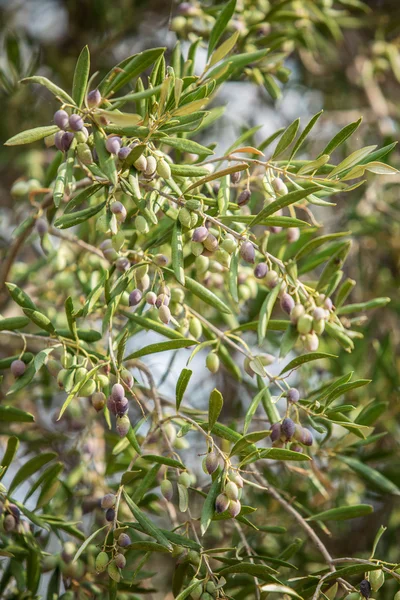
(112, 487)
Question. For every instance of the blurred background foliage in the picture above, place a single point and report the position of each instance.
(341, 56)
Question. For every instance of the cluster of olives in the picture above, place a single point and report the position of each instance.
(117, 561)
(204, 591)
(375, 581)
(12, 522)
(70, 373)
(205, 243)
(288, 431)
(229, 498)
(167, 490)
(22, 188)
(149, 165)
(310, 323)
(118, 405)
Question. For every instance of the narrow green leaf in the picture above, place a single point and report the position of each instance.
(283, 201)
(164, 460)
(276, 454)
(177, 253)
(217, 175)
(261, 571)
(371, 475)
(8, 456)
(20, 297)
(81, 76)
(12, 414)
(209, 504)
(54, 89)
(29, 468)
(181, 385)
(342, 513)
(351, 160)
(248, 440)
(147, 323)
(86, 543)
(265, 312)
(215, 404)
(304, 134)
(186, 145)
(147, 525)
(252, 409)
(31, 135)
(233, 275)
(162, 347)
(272, 588)
(224, 49)
(40, 320)
(128, 69)
(147, 547)
(12, 323)
(131, 437)
(317, 242)
(378, 536)
(75, 218)
(305, 358)
(220, 25)
(287, 138)
(341, 137)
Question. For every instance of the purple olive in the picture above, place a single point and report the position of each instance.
(247, 252)
(260, 270)
(292, 234)
(124, 152)
(110, 515)
(113, 144)
(111, 405)
(306, 437)
(76, 122)
(41, 226)
(211, 462)
(18, 368)
(121, 407)
(119, 210)
(244, 197)
(108, 501)
(135, 297)
(66, 141)
(288, 428)
(275, 432)
(93, 98)
(287, 303)
(293, 395)
(319, 314)
(117, 392)
(124, 540)
(120, 560)
(200, 234)
(58, 140)
(221, 503)
(61, 119)
(123, 425)
(122, 263)
(234, 508)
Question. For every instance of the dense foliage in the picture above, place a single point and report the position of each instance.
(143, 246)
